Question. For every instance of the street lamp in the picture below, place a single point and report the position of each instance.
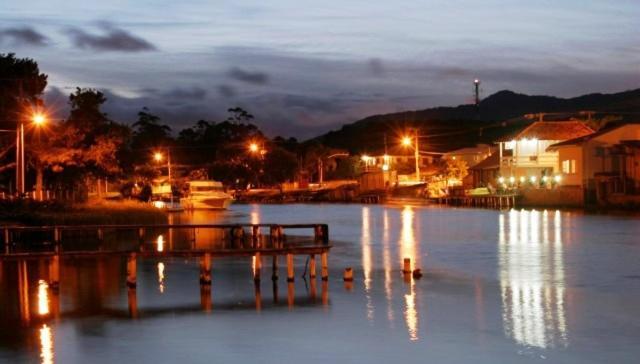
(37, 119)
(158, 157)
(253, 147)
(406, 142)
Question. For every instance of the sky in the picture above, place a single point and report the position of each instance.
(303, 68)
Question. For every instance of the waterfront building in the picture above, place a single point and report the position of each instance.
(525, 157)
(602, 164)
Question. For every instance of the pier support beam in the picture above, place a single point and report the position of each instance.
(324, 262)
(54, 272)
(257, 266)
(290, 294)
(132, 299)
(205, 297)
(205, 269)
(132, 270)
(290, 273)
(312, 266)
(258, 295)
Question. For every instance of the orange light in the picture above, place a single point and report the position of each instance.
(39, 119)
(253, 147)
(157, 156)
(406, 141)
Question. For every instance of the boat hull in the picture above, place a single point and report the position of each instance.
(210, 203)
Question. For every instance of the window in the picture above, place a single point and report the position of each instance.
(569, 166)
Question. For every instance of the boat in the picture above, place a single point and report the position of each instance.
(162, 196)
(206, 195)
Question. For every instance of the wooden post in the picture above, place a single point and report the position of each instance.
(275, 291)
(56, 236)
(205, 269)
(205, 297)
(313, 289)
(7, 240)
(141, 238)
(325, 293)
(290, 274)
(132, 299)
(131, 270)
(348, 275)
(255, 235)
(100, 234)
(407, 266)
(290, 294)
(54, 272)
(324, 263)
(274, 274)
(312, 266)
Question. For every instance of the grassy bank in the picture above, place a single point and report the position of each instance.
(95, 212)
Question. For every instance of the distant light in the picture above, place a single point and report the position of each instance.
(501, 180)
(253, 147)
(533, 179)
(385, 167)
(545, 179)
(522, 179)
(157, 156)
(406, 141)
(159, 204)
(365, 158)
(454, 157)
(512, 179)
(476, 81)
(557, 178)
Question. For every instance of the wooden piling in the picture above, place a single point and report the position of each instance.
(205, 297)
(7, 240)
(205, 269)
(258, 295)
(325, 292)
(406, 266)
(54, 272)
(324, 266)
(132, 299)
(290, 294)
(312, 266)
(132, 270)
(348, 275)
(141, 238)
(290, 274)
(100, 234)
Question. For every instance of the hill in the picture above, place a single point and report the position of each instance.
(448, 128)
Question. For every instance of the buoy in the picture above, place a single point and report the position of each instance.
(417, 273)
(348, 274)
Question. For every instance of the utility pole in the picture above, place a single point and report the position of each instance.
(416, 153)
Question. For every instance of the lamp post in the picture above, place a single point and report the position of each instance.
(159, 157)
(38, 119)
(406, 141)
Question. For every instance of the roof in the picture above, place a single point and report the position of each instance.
(554, 130)
(479, 149)
(579, 140)
(492, 161)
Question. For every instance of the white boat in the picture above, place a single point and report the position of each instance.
(206, 195)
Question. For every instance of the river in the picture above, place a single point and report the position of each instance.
(498, 287)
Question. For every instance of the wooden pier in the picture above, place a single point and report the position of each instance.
(259, 241)
(495, 201)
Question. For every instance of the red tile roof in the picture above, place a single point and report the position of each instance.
(555, 130)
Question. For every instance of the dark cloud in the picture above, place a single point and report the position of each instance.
(256, 78)
(114, 39)
(23, 35)
(193, 93)
(226, 91)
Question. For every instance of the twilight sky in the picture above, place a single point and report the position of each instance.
(305, 67)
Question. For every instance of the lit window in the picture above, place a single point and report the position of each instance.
(569, 166)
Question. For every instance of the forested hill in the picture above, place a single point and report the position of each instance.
(448, 128)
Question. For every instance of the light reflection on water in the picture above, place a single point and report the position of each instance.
(532, 278)
(526, 252)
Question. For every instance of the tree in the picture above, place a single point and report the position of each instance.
(455, 169)
(148, 134)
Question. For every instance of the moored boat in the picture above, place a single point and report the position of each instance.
(206, 195)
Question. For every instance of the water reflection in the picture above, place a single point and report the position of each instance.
(43, 298)
(366, 260)
(46, 345)
(388, 266)
(532, 281)
(161, 277)
(409, 249)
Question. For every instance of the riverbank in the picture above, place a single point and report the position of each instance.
(28, 212)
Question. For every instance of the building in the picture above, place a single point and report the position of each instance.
(471, 155)
(602, 164)
(530, 159)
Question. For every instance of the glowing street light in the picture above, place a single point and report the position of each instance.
(158, 156)
(406, 142)
(39, 119)
(253, 147)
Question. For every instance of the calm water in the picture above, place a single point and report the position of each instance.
(498, 287)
